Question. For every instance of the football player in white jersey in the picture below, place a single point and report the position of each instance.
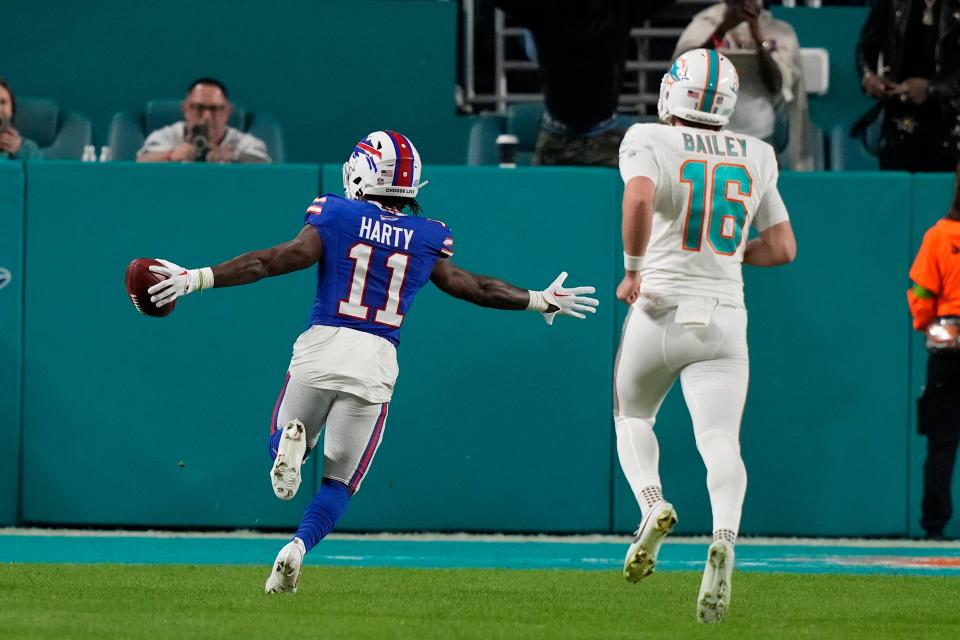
(691, 193)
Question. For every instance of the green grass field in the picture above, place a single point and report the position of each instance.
(152, 601)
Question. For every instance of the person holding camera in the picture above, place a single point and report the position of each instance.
(203, 134)
(13, 146)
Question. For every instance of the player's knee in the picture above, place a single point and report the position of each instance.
(627, 422)
(719, 442)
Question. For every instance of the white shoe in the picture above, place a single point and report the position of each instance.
(286, 568)
(642, 554)
(285, 474)
(717, 583)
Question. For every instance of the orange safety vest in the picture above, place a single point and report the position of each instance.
(937, 269)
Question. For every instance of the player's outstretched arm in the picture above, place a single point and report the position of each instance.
(775, 246)
(299, 253)
(490, 292)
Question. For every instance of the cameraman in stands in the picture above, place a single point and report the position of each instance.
(203, 134)
(12, 144)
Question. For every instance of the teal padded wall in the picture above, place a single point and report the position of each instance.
(932, 195)
(330, 71)
(824, 426)
(11, 295)
(499, 422)
(145, 421)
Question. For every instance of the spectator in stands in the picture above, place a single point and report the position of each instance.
(203, 134)
(766, 53)
(581, 47)
(935, 306)
(909, 60)
(12, 144)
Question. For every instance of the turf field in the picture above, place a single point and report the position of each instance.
(135, 585)
(189, 601)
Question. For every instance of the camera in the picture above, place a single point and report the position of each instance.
(4, 124)
(200, 139)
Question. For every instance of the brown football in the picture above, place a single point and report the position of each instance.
(139, 279)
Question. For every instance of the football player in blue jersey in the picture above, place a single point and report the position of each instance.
(372, 259)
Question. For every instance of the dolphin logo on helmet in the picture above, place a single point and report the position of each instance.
(701, 86)
(384, 163)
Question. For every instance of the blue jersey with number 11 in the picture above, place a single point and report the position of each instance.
(374, 262)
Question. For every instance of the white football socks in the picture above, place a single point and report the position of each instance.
(639, 455)
(726, 478)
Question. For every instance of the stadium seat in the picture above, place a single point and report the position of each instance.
(849, 154)
(816, 143)
(523, 121)
(59, 134)
(482, 142)
(129, 129)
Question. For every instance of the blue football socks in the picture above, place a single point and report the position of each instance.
(273, 443)
(323, 513)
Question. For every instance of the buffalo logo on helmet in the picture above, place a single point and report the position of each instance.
(365, 148)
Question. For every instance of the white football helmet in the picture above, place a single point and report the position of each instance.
(701, 86)
(385, 163)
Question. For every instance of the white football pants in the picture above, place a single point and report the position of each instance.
(354, 427)
(706, 345)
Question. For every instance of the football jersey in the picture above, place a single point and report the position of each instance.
(374, 262)
(711, 186)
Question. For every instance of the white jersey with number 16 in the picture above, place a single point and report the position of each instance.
(711, 186)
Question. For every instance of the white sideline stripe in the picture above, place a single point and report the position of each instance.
(469, 537)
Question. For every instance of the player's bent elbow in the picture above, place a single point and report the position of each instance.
(788, 253)
(782, 243)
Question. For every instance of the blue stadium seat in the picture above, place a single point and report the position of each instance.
(482, 141)
(817, 145)
(523, 121)
(129, 129)
(848, 154)
(59, 134)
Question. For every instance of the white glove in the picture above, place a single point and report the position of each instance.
(179, 282)
(558, 299)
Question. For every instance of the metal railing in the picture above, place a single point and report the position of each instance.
(504, 68)
(641, 81)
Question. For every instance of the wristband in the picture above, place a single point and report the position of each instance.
(537, 302)
(201, 279)
(632, 263)
(205, 278)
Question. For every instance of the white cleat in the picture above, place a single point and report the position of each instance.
(285, 474)
(286, 568)
(717, 583)
(642, 554)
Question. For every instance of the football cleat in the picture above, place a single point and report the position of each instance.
(642, 554)
(286, 568)
(285, 474)
(714, 598)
